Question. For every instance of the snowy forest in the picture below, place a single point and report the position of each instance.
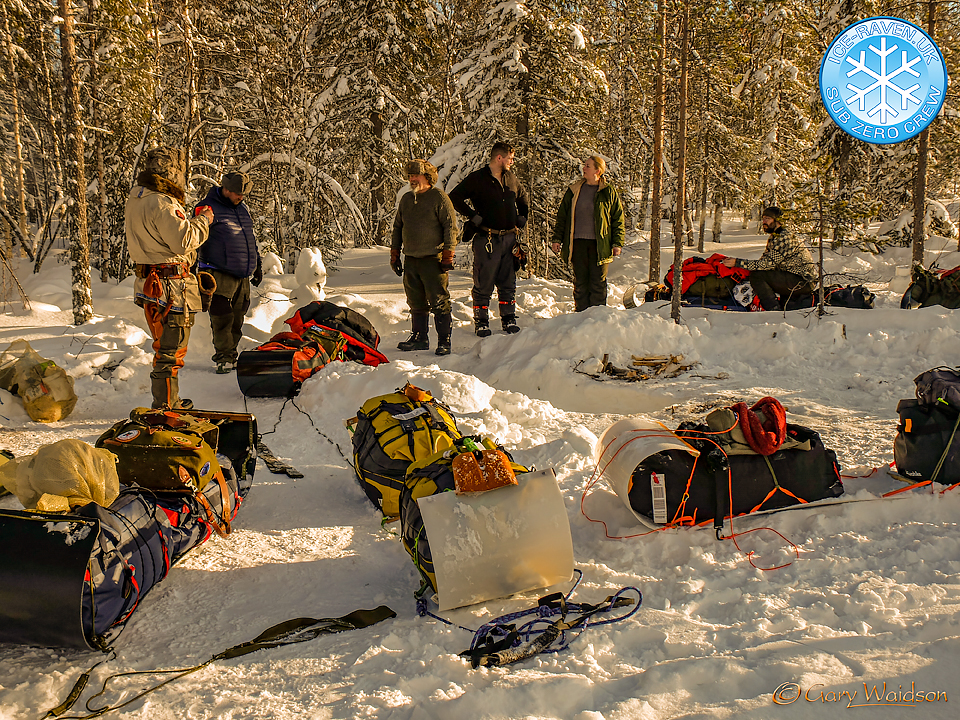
(701, 107)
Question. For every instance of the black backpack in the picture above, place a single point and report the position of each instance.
(926, 446)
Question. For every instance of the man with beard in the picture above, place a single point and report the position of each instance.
(163, 244)
(231, 256)
(499, 211)
(785, 270)
(425, 232)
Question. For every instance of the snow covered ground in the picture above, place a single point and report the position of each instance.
(870, 603)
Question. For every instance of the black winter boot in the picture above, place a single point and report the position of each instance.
(481, 321)
(419, 340)
(508, 317)
(444, 325)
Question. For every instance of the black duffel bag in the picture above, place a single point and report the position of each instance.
(926, 446)
(674, 487)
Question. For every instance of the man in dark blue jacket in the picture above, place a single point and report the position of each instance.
(231, 256)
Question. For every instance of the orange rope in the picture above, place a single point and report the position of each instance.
(908, 487)
(598, 473)
(734, 535)
(871, 473)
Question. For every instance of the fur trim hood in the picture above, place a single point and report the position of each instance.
(159, 184)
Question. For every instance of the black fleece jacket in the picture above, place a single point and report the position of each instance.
(499, 205)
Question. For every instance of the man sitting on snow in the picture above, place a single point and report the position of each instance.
(786, 268)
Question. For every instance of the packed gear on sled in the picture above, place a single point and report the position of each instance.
(739, 461)
(932, 287)
(390, 432)
(165, 450)
(473, 464)
(44, 387)
(320, 333)
(74, 579)
(709, 283)
(696, 269)
(491, 544)
(927, 447)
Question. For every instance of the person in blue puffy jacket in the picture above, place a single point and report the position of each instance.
(231, 256)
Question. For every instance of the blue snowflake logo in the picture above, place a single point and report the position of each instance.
(883, 80)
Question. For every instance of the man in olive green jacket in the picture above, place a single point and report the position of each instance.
(163, 242)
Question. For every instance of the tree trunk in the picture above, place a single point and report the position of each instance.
(920, 181)
(7, 242)
(50, 162)
(103, 232)
(681, 167)
(14, 80)
(705, 166)
(821, 225)
(377, 234)
(190, 110)
(656, 199)
(76, 180)
(717, 218)
(645, 187)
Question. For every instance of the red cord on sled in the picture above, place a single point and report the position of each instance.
(869, 474)
(679, 520)
(598, 473)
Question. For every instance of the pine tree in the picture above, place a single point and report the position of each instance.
(532, 81)
(377, 56)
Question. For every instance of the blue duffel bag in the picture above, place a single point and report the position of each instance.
(74, 579)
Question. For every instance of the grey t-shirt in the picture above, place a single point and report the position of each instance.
(583, 226)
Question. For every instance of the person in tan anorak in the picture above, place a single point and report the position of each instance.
(163, 242)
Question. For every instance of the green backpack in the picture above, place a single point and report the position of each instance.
(929, 287)
(164, 450)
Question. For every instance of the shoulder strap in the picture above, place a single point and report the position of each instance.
(285, 633)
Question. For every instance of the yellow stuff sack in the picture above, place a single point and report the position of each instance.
(392, 432)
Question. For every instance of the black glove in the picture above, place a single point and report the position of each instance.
(396, 264)
(521, 221)
(477, 220)
(257, 276)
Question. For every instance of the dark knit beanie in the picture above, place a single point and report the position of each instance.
(167, 163)
(772, 212)
(422, 167)
(237, 182)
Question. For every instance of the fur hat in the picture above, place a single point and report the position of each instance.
(422, 167)
(772, 212)
(237, 182)
(167, 163)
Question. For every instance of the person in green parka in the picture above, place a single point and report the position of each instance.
(589, 231)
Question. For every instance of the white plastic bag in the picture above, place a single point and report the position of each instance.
(66, 474)
(45, 388)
